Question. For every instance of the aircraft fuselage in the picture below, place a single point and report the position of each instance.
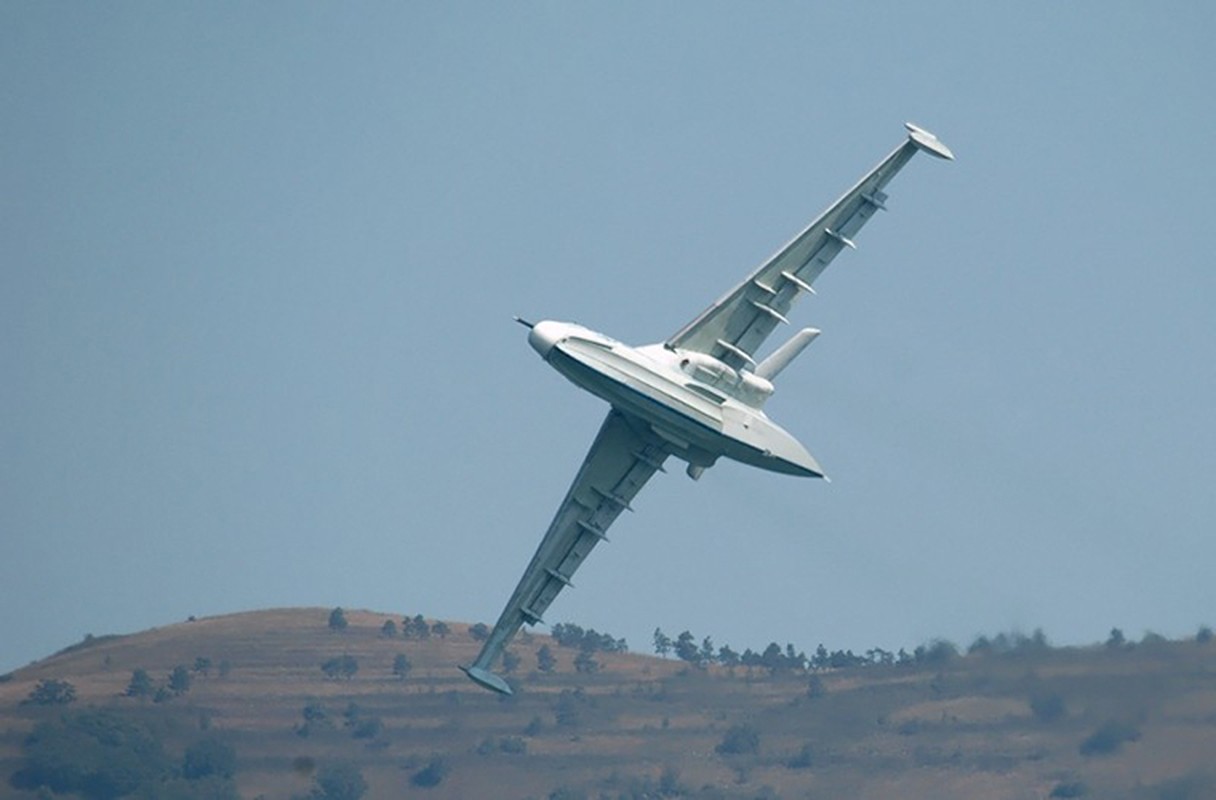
(700, 420)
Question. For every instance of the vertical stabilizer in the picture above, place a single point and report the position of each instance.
(783, 355)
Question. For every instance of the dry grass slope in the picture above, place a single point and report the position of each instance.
(994, 726)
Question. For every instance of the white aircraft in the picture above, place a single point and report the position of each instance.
(698, 396)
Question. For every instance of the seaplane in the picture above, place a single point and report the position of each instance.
(698, 396)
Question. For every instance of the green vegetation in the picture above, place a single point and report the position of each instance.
(51, 692)
(101, 755)
(415, 628)
(341, 781)
(337, 620)
(568, 634)
(741, 739)
(545, 662)
(1109, 738)
(344, 666)
(432, 774)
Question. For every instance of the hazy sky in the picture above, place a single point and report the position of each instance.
(258, 263)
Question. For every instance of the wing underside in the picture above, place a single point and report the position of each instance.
(624, 455)
(735, 327)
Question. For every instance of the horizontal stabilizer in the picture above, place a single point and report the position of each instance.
(783, 355)
(483, 677)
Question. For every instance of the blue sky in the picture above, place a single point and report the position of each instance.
(258, 264)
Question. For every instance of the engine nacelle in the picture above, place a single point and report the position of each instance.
(744, 386)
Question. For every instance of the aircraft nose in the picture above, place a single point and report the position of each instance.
(544, 335)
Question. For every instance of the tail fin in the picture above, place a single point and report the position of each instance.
(783, 355)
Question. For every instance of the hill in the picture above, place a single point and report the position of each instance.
(1029, 721)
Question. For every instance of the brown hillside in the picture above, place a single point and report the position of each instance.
(643, 726)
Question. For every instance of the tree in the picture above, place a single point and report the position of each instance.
(401, 666)
(480, 632)
(585, 663)
(202, 665)
(727, 657)
(1204, 635)
(179, 680)
(686, 647)
(337, 619)
(939, 651)
(545, 662)
(416, 628)
(662, 643)
(389, 629)
(51, 692)
(339, 781)
(140, 685)
(706, 656)
(1116, 639)
(441, 629)
(510, 661)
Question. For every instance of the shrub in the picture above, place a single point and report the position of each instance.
(804, 759)
(741, 739)
(815, 687)
(545, 662)
(1109, 738)
(432, 774)
(95, 753)
(584, 662)
(209, 757)
(344, 666)
(1047, 706)
(51, 692)
(339, 782)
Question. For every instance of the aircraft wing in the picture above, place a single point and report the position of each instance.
(735, 327)
(623, 457)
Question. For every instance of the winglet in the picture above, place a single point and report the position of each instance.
(483, 677)
(928, 142)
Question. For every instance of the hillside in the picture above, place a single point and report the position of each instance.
(1034, 722)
